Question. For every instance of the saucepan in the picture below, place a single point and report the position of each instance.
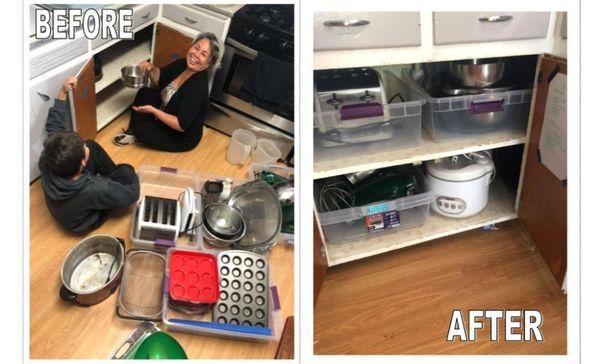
(92, 270)
(133, 77)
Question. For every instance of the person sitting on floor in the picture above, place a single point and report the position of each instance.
(170, 118)
(80, 181)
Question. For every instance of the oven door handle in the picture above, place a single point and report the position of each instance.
(247, 51)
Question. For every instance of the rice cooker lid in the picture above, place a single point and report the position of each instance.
(460, 168)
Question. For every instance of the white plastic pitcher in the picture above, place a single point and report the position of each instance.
(265, 152)
(240, 145)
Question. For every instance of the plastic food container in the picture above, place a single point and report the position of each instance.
(202, 324)
(400, 126)
(140, 296)
(452, 117)
(359, 222)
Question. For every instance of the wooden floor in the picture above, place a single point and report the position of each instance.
(401, 302)
(60, 330)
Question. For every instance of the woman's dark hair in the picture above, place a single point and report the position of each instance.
(215, 49)
(64, 153)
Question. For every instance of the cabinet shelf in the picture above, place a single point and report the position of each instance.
(122, 54)
(500, 207)
(328, 163)
(112, 103)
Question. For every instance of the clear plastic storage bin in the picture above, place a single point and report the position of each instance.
(452, 117)
(359, 222)
(400, 126)
(201, 324)
(166, 182)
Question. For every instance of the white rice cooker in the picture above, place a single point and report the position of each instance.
(460, 184)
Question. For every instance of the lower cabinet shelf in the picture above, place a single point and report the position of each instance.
(112, 102)
(500, 207)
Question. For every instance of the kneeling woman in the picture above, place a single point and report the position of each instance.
(171, 117)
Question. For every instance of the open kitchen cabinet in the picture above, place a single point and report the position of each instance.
(521, 189)
(161, 33)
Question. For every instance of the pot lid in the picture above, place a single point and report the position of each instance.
(261, 210)
(460, 168)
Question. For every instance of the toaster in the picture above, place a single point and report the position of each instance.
(356, 97)
(158, 219)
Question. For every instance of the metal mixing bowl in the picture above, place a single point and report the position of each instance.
(478, 72)
(223, 224)
(132, 76)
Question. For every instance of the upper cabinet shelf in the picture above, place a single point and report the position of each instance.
(327, 163)
(429, 37)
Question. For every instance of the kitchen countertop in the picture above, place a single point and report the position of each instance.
(61, 330)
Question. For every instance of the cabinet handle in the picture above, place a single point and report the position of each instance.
(495, 18)
(346, 23)
(146, 16)
(191, 20)
(44, 96)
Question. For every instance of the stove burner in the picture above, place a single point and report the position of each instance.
(265, 28)
(265, 18)
(280, 17)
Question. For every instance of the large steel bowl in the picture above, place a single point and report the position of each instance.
(133, 77)
(223, 224)
(478, 72)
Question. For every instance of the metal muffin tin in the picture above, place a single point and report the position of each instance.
(244, 296)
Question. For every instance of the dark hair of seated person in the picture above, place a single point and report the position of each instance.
(64, 153)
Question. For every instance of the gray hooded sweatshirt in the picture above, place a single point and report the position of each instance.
(81, 205)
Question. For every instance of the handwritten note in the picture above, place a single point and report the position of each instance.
(553, 140)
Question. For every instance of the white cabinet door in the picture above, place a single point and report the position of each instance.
(56, 53)
(347, 30)
(472, 27)
(42, 92)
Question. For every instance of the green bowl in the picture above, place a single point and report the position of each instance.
(160, 345)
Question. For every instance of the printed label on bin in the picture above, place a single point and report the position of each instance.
(381, 221)
(378, 209)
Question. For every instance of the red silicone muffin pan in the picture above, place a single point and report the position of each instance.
(193, 277)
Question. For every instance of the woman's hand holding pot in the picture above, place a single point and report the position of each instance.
(146, 67)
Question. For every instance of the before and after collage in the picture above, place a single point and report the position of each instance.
(178, 155)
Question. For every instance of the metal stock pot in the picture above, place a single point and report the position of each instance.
(92, 270)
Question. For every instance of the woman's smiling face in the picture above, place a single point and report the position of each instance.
(198, 56)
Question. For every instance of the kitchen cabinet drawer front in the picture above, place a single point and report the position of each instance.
(57, 53)
(199, 20)
(41, 97)
(143, 14)
(348, 30)
(472, 27)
